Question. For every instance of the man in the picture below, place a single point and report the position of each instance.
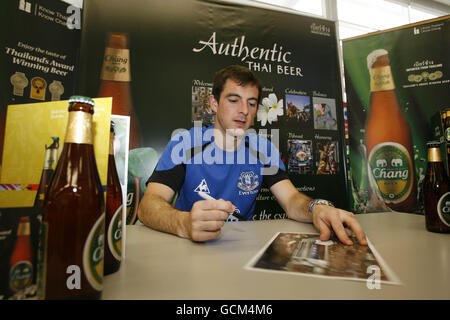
(186, 166)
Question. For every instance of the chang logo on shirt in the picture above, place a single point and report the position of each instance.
(248, 182)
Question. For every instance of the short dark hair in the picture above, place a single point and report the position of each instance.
(240, 74)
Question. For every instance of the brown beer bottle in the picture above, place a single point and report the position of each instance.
(51, 157)
(116, 78)
(114, 213)
(21, 267)
(73, 223)
(115, 82)
(388, 140)
(436, 193)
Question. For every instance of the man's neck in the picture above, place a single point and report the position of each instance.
(227, 141)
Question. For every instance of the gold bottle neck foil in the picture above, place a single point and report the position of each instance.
(23, 229)
(434, 155)
(381, 79)
(116, 65)
(79, 128)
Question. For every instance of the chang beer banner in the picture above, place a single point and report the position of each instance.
(396, 81)
(172, 58)
(40, 52)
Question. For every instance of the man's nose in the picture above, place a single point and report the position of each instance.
(243, 107)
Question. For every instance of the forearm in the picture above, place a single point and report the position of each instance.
(297, 207)
(156, 213)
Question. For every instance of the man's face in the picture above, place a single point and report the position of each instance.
(236, 108)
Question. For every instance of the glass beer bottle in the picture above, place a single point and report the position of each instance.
(388, 140)
(115, 82)
(114, 213)
(436, 193)
(51, 157)
(73, 223)
(21, 267)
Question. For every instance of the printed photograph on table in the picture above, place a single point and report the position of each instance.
(324, 114)
(326, 155)
(201, 110)
(305, 254)
(300, 156)
(298, 109)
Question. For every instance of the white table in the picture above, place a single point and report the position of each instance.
(164, 266)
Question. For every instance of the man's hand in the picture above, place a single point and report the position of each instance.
(207, 219)
(327, 219)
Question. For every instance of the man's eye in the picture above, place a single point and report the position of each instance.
(233, 100)
(252, 104)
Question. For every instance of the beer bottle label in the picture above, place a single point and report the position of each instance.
(390, 172)
(42, 258)
(381, 79)
(93, 254)
(443, 208)
(20, 275)
(116, 65)
(79, 128)
(447, 134)
(132, 198)
(115, 234)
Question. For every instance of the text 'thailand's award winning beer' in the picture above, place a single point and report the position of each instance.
(115, 83)
(388, 140)
(114, 215)
(73, 223)
(21, 267)
(436, 192)
(51, 158)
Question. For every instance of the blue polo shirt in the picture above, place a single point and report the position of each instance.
(192, 162)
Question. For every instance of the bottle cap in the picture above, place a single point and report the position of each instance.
(433, 144)
(373, 56)
(81, 99)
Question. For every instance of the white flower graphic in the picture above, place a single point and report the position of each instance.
(270, 109)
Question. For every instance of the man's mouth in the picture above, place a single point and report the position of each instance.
(240, 123)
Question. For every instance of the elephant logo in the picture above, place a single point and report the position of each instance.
(381, 163)
(396, 162)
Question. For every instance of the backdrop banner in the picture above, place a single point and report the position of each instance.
(397, 81)
(175, 47)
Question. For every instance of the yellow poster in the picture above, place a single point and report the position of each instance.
(30, 131)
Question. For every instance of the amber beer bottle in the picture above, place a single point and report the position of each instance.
(114, 216)
(115, 82)
(436, 192)
(73, 222)
(21, 267)
(51, 157)
(388, 140)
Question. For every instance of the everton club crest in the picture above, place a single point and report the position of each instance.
(248, 181)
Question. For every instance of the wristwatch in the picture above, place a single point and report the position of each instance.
(319, 201)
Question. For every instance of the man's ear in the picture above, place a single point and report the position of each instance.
(213, 103)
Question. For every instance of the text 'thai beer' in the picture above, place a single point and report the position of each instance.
(436, 193)
(388, 140)
(114, 213)
(73, 223)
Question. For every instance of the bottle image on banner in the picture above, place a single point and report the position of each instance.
(436, 193)
(113, 217)
(73, 222)
(21, 266)
(51, 157)
(115, 82)
(388, 140)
